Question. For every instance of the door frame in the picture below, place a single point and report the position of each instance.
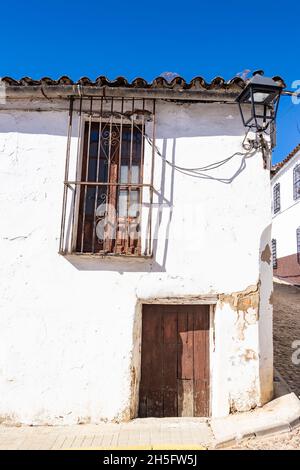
(137, 343)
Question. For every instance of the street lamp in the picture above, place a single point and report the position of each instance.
(258, 102)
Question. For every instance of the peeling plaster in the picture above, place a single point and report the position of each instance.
(242, 310)
(245, 401)
(266, 254)
(242, 301)
(78, 368)
(250, 354)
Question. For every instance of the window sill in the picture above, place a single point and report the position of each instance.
(104, 255)
(116, 263)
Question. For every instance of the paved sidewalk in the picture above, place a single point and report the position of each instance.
(151, 433)
(279, 416)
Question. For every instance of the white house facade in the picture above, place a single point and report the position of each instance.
(286, 218)
(136, 270)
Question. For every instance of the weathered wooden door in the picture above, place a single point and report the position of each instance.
(175, 361)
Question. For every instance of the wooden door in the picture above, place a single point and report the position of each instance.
(175, 361)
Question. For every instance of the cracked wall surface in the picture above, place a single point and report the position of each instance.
(70, 327)
(236, 320)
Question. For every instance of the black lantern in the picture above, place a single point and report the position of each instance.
(259, 100)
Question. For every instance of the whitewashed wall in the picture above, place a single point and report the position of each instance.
(70, 328)
(286, 222)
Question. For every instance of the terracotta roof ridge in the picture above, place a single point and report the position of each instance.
(279, 165)
(197, 82)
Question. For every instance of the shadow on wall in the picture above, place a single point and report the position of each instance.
(51, 118)
(137, 264)
(190, 122)
(265, 318)
(165, 199)
(37, 122)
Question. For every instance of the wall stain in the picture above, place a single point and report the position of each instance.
(84, 420)
(266, 254)
(243, 300)
(246, 304)
(9, 420)
(249, 355)
(133, 388)
(244, 402)
(271, 298)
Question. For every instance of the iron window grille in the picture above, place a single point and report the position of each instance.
(108, 186)
(276, 198)
(298, 244)
(296, 182)
(274, 253)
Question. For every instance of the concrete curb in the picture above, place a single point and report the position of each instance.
(144, 447)
(285, 408)
(267, 431)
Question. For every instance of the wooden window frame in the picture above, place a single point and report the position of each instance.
(276, 198)
(274, 253)
(296, 182)
(298, 244)
(81, 168)
(115, 111)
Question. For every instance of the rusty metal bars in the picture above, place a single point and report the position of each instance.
(97, 176)
(141, 176)
(78, 160)
(63, 218)
(152, 181)
(129, 181)
(119, 176)
(79, 186)
(86, 173)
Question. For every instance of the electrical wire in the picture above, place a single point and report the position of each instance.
(198, 171)
(209, 167)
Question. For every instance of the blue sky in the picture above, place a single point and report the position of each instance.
(223, 38)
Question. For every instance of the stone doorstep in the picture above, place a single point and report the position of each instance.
(278, 416)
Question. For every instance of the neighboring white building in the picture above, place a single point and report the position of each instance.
(286, 217)
(155, 306)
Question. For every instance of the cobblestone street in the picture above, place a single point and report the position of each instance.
(286, 330)
(287, 441)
